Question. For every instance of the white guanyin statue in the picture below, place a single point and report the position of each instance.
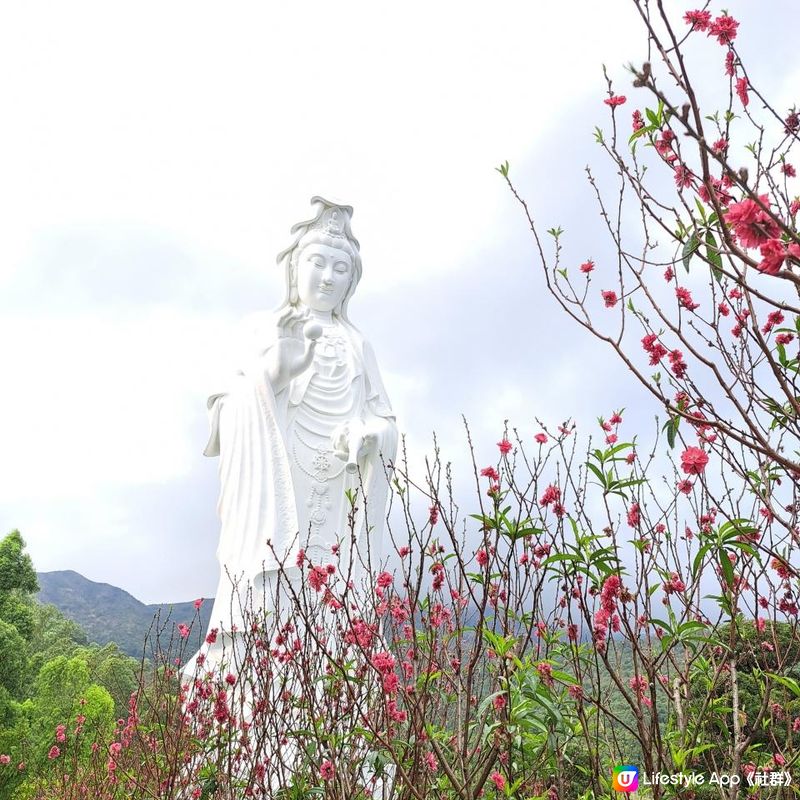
(304, 420)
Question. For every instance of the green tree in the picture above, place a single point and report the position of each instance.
(16, 567)
(116, 672)
(53, 635)
(13, 659)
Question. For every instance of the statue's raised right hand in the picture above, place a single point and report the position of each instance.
(294, 351)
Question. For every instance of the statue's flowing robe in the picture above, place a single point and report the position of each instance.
(257, 502)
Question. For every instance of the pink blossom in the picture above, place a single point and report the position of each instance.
(545, 671)
(637, 122)
(781, 567)
(54, 752)
(499, 702)
(677, 364)
(741, 91)
(615, 100)
(317, 578)
(612, 587)
(730, 67)
(773, 318)
(693, 460)
(552, 494)
(685, 298)
(490, 473)
(587, 266)
(5, 759)
(773, 255)
(572, 632)
(184, 630)
(326, 770)
(609, 298)
(724, 28)
(403, 551)
(751, 224)
(498, 780)
(784, 338)
(674, 584)
(713, 189)
(482, 557)
(575, 691)
(198, 603)
(211, 638)
(685, 486)
(652, 346)
(301, 557)
(634, 515)
(684, 177)
(431, 762)
(720, 147)
(540, 438)
(788, 170)
(699, 20)
(505, 446)
(433, 514)
(384, 580)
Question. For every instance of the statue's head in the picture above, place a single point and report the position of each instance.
(324, 243)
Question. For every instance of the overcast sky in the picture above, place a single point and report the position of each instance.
(153, 158)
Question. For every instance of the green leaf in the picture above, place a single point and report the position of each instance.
(560, 557)
(727, 569)
(641, 132)
(689, 248)
(713, 256)
(790, 683)
(671, 427)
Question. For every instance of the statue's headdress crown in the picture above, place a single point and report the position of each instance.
(331, 219)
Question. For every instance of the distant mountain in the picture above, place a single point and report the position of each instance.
(109, 614)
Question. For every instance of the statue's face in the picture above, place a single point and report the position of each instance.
(323, 276)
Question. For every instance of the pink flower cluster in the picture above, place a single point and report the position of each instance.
(674, 584)
(654, 348)
(723, 27)
(606, 615)
(753, 227)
